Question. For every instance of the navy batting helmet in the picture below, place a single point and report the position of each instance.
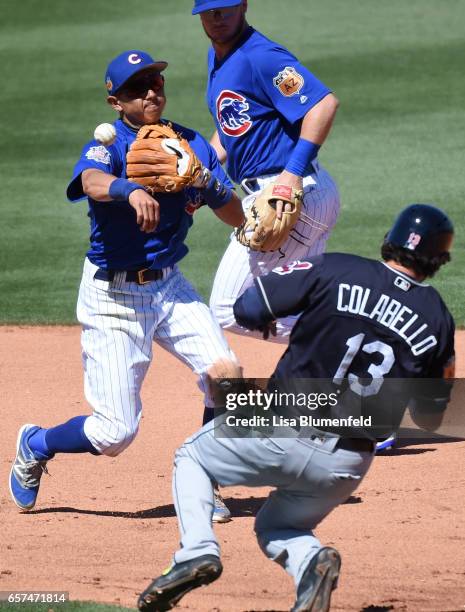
(423, 229)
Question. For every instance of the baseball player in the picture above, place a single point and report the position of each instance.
(132, 292)
(375, 331)
(271, 115)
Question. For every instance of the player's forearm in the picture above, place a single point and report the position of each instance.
(220, 150)
(315, 127)
(96, 185)
(317, 123)
(231, 213)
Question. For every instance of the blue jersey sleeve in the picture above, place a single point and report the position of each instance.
(207, 155)
(94, 155)
(291, 88)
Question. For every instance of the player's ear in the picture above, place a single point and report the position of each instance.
(244, 6)
(113, 102)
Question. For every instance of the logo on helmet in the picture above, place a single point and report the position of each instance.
(231, 113)
(134, 59)
(412, 241)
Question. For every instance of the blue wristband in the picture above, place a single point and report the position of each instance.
(121, 189)
(302, 156)
(216, 194)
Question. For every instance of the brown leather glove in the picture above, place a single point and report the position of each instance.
(162, 160)
(262, 230)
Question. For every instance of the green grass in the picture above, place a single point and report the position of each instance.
(399, 136)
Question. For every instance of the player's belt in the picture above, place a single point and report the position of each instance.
(356, 444)
(250, 185)
(141, 277)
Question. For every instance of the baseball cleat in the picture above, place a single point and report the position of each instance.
(387, 443)
(26, 471)
(318, 581)
(221, 513)
(165, 591)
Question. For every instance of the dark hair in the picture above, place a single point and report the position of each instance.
(420, 264)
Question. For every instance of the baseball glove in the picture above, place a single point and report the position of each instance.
(262, 230)
(162, 160)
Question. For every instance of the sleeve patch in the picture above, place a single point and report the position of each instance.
(99, 154)
(292, 267)
(288, 81)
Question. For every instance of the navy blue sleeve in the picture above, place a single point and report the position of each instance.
(285, 291)
(433, 391)
(250, 309)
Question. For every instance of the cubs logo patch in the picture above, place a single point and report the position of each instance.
(289, 81)
(231, 113)
(412, 241)
(99, 154)
(109, 84)
(293, 267)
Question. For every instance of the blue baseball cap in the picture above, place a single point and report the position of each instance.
(201, 6)
(126, 65)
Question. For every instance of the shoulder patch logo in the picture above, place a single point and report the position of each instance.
(293, 267)
(99, 154)
(289, 81)
(231, 113)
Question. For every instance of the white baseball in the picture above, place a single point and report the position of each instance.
(105, 133)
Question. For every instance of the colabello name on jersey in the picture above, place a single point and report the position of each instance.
(388, 312)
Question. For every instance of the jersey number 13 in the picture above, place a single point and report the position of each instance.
(376, 372)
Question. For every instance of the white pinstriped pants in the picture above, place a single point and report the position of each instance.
(120, 321)
(239, 265)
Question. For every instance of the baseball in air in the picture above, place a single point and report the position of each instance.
(105, 133)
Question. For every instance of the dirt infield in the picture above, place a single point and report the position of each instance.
(103, 526)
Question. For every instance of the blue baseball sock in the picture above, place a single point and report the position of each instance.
(66, 438)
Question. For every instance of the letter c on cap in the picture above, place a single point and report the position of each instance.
(134, 59)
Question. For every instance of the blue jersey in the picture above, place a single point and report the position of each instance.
(258, 95)
(116, 241)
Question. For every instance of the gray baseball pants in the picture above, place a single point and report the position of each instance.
(311, 477)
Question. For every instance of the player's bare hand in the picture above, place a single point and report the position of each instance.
(292, 180)
(147, 210)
